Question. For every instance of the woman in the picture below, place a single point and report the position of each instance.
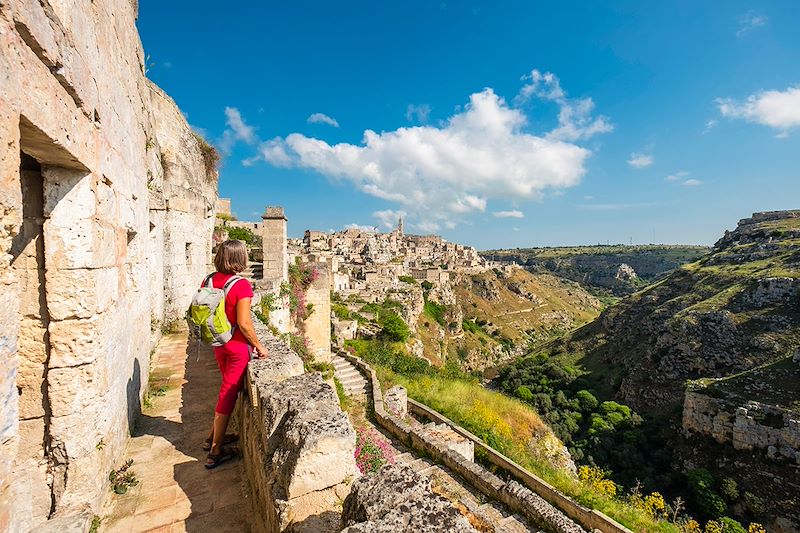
(233, 357)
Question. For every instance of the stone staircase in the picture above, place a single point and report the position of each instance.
(484, 516)
(254, 271)
(348, 375)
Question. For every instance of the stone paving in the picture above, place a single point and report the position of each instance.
(175, 492)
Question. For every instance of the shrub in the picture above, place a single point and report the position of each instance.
(586, 400)
(524, 393)
(407, 279)
(210, 156)
(372, 450)
(341, 311)
(729, 525)
(393, 327)
(707, 500)
(123, 478)
(596, 479)
(243, 234)
(729, 489)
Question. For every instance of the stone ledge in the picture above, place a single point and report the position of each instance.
(298, 445)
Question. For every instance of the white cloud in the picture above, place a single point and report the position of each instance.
(362, 227)
(418, 113)
(428, 227)
(588, 197)
(692, 182)
(638, 160)
(779, 110)
(509, 214)
(515, 229)
(575, 120)
(677, 176)
(237, 130)
(710, 125)
(322, 118)
(441, 173)
(389, 217)
(750, 21)
(274, 152)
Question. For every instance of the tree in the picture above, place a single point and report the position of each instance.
(393, 327)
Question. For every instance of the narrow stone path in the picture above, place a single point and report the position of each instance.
(175, 492)
(348, 375)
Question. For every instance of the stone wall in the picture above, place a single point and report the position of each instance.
(318, 324)
(298, 445)
(753, 426)
(82, 263)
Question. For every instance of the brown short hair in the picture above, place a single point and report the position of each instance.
(231, 257)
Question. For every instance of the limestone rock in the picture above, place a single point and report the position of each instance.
(396, 401)
(396, 499)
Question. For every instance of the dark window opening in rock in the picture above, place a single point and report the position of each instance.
(188, 253)
(34, 344)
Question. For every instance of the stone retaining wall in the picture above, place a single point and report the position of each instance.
(744, 427)
(541, 503)
(298, 445)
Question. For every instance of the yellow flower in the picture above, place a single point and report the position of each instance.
(692, 526)
(713, 526)
(755, 527)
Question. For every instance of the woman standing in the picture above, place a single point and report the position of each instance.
(233, 356)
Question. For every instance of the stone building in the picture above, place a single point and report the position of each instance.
(107, 203)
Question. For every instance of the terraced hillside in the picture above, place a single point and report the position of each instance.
(487, 318)
(617, 268)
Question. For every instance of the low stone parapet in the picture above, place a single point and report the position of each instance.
(298, 445)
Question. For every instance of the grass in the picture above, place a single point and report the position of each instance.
(515, 430)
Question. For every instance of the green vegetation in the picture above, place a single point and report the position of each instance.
(210, 155)
(341, 311)
(436, 311)
(243, 234)
(506, 424)
(123, 478)
(407, 279)
(607, 433)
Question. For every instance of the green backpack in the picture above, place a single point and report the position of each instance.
(206, 316)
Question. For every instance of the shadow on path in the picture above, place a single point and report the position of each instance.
(176, 492)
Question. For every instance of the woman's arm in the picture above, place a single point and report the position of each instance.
(245, 325)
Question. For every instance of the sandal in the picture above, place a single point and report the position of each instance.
(213, 461)
(229, 438)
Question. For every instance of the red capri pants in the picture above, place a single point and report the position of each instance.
(232, 359)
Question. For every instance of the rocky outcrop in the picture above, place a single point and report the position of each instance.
(298, 445)
(396, 500)
(753, 426)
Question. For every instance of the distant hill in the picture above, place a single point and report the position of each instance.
(620, 269)
(729, 324)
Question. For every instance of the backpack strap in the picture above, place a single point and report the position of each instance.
(229, 284)
(207, 282)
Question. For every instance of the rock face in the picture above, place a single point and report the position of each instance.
(730, 322)
(107, 209)
(396, 499)
(298, 445)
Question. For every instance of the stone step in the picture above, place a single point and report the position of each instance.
(513, 524)
(350, 372)
(404, 458)
(350, 378)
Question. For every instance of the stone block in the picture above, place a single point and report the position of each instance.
(396, 401)
(77, 341)
(77, 389)
(312, 443)
(396, 499)
(81, 293)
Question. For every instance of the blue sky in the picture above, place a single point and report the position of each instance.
(495, 124)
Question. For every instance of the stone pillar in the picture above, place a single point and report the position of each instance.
(276, 258)
(318, 324)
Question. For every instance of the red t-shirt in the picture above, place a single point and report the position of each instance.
(240, 289)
